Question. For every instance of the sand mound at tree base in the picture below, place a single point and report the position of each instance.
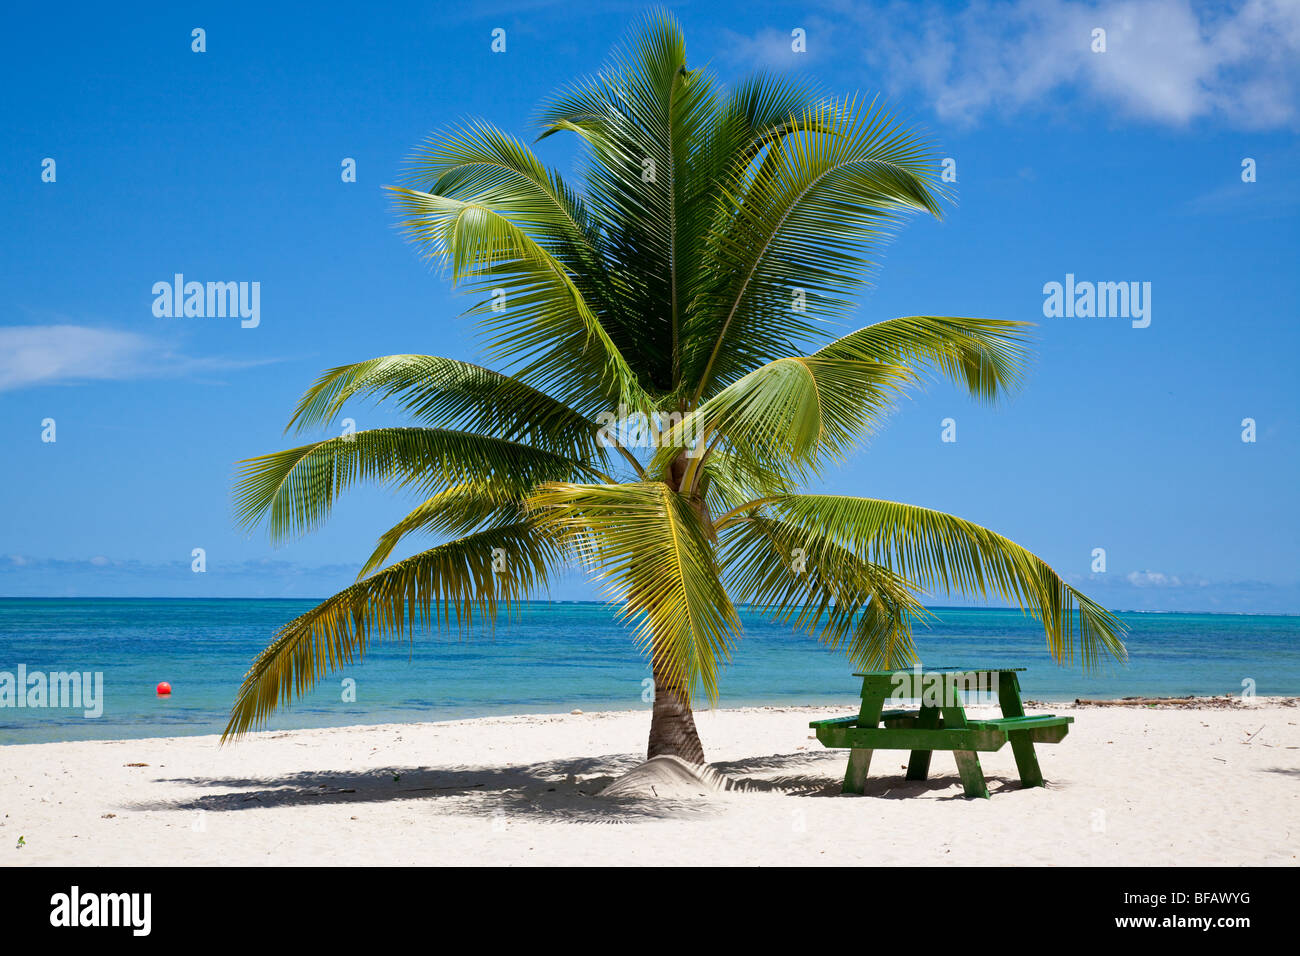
(666, 776)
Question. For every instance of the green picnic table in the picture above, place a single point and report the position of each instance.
(941, 724)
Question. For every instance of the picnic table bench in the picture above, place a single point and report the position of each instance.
(941, 724)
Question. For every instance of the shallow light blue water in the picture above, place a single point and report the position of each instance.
(556, 657)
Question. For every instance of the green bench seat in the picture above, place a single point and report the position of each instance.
(1022, 723)
(1002, 724)
(1039, 728)
(853, 721)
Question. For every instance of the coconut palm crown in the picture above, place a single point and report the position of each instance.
(668, 387)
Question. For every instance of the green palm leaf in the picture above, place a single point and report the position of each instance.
(806, 410)
(984, 355)
(808, 219)
(455, 511)
(793, 412)
(653, 551)
(804, 578)
(644, 118)
(295, 489)
(447, 393)
(939, 551)
(449, 585)
(535, 315)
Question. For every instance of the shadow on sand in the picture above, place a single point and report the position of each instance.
(563, 790)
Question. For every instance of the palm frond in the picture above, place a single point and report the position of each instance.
(804, 578)
(480, 163)
(938, 551)
(733, 479)
(807, 410)
(986, 356)
(448, 393)
(533, 312)
(295, 489)
(644, 118)
(793, 414)
(759, 112)
(452, 584)
(653, 553)
(809, 218)
(456, 511)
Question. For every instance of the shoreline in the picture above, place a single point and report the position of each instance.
(1130, 785)
(540, 602)
(1194, 702)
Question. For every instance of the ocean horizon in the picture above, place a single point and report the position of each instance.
(559, 656)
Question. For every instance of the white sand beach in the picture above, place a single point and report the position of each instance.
(1128, 786)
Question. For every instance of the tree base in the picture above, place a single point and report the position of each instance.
(672, 726)
(666, 776)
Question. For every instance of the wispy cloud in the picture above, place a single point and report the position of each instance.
(1273, 198)
(1158, 579)
(774, 49)
(1166, 61)
(260, 567)
(51, 354)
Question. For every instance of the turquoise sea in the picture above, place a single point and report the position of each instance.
(557, 657)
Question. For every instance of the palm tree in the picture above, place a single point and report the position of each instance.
(663, 404)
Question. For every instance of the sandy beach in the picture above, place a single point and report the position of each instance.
(1128, 786)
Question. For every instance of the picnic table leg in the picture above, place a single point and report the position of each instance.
(968, 761)
(1022, 743)
(855, 777)
(918, 765)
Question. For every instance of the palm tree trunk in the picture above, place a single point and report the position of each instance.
(672, 726)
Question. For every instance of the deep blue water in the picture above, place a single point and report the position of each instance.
(556, 657)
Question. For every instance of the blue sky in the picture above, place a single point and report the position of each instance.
(225, 165)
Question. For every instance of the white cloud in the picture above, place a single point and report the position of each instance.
(48, 354)
(1147, 579)
(1158, 579)
(772, 48)
(1167, 61)
(256, 567)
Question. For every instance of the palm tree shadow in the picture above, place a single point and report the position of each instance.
(560, 789)
(898, 787)
(784, 773)
(829, 783)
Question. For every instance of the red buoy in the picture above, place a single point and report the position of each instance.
(164, 689)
